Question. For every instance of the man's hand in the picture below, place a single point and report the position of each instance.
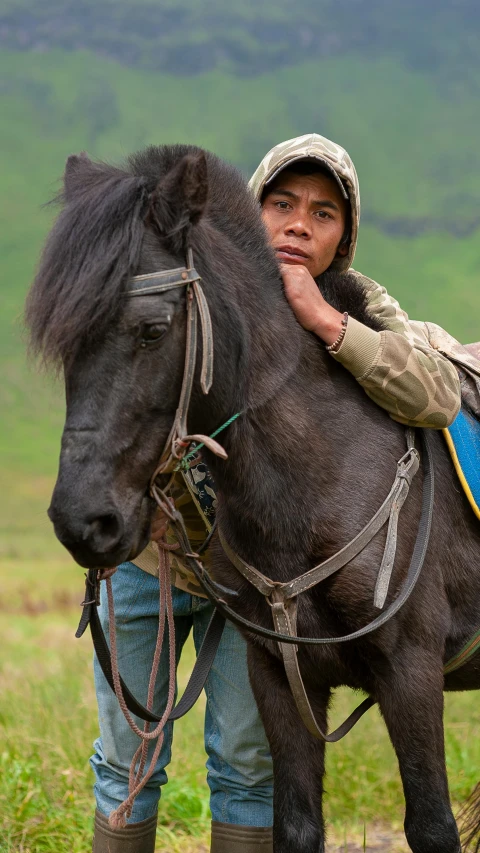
(159, 525)
(308, 304)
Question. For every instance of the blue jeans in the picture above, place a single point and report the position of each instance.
(239, 765)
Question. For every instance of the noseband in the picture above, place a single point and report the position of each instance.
(179, 440)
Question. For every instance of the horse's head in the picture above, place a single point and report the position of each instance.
(123, 358)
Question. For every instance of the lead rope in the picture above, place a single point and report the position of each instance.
(137, 778)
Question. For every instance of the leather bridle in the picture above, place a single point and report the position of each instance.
(280, 596)
(179, 440)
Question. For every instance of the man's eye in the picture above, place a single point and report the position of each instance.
(283, 205)
(152, 334)
(322, 214)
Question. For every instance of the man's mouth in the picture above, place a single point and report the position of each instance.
(291, 254)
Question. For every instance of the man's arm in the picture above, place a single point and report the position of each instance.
(398, 368)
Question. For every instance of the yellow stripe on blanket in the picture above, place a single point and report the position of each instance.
(463, 441)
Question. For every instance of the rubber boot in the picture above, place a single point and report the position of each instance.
(135, 838)
(232, 838)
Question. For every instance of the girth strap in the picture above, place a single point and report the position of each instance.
(284, 619)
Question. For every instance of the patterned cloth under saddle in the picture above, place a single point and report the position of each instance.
(463, 439)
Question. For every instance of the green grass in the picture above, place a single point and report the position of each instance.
(48, 721)
(48, 717)
(47, 727)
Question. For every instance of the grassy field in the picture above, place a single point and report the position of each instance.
(48, 720)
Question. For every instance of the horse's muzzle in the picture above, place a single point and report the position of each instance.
(98, 538)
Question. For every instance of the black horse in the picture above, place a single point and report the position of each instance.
(310, 460)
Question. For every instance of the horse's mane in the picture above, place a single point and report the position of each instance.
(96, 242)
(90, 252)
(346, 293)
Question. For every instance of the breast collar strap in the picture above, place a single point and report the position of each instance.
(275, 592)
(281, 596)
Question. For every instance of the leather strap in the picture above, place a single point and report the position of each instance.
(416, 563)
(388, 559)
(407, 467)
(206, 376)
(199, 673)
(284, 619)
(159, 282)
(189, 371)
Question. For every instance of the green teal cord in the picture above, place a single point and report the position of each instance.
(185, 463)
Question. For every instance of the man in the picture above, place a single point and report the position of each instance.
(309, 193)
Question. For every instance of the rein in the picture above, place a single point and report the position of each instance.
(176, 446)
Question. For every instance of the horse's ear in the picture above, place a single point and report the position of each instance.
(74, 166)
(180, 198)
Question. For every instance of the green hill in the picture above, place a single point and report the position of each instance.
(398, 90)
(248, 38)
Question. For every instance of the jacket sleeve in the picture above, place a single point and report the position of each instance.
(399, 368)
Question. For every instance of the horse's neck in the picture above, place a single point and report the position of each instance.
(258, 345)
(307, 437)
(295, 461)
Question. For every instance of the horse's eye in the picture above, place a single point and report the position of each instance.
(152, 334)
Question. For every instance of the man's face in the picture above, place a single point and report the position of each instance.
(305, 217)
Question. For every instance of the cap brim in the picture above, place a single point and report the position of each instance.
(321, 160)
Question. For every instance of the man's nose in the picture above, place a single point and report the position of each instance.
(298, 227)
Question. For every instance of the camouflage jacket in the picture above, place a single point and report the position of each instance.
(411, 369)
(414, 370)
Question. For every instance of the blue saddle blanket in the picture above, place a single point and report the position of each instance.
(463, 439)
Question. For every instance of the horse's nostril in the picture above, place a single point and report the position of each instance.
(104, 531)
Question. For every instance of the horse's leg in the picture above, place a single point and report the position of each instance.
(411, 701)
(298, 757)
